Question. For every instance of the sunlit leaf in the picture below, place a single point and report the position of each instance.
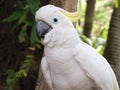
(21, 73)
(38, 46)
(86, 40)
(116, 2)
(99, 48)
(32, 48)
(29, 56)
(29, 61)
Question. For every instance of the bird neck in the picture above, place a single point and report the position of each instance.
(63, 38)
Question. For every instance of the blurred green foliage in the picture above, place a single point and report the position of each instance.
(24, 18)
(116, 2)
(13, 76)
(103, 10)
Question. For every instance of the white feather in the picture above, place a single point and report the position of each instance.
(70, 64)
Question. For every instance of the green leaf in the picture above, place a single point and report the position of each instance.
(85, 39)
(14, 16)
(22, 35)
(11, 79)
(33, 35)
(23, 17)
(38, 1)
(28, 22)
(10, 83)
(10, 73)
(21, 73)
(116, 2)
(103, 33)
(29, 61)
(34, 5)
(38, 46)
(29, 56)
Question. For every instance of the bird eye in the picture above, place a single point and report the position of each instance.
(55, 20)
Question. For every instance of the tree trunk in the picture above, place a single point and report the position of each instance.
(69, 5)
(89, 15)
(112, 50)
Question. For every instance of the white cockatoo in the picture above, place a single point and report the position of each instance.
(69, 63)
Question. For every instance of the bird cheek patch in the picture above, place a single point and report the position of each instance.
(49, 39)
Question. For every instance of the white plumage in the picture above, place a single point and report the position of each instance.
(69, 63)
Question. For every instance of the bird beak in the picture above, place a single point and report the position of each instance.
(42, 29)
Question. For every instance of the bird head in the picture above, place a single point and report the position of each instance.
(50, 18)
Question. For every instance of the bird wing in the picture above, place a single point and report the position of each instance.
(46, 72)
(95, 67)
